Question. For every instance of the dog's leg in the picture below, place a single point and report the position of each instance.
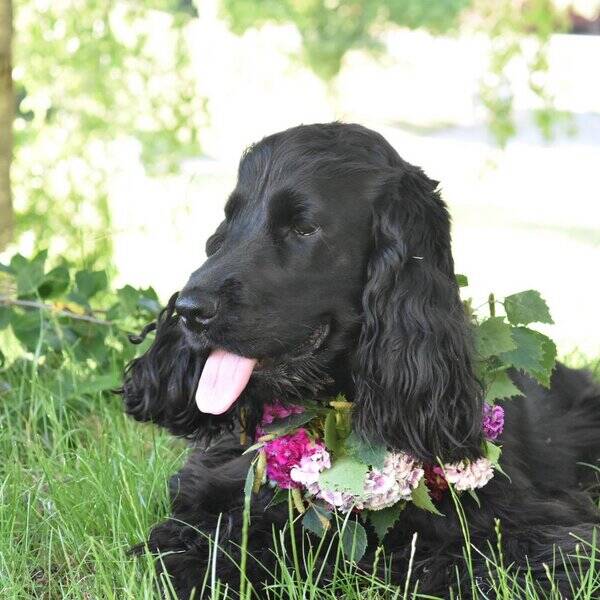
(208, 505)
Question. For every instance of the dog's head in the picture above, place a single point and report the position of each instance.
(332, 271)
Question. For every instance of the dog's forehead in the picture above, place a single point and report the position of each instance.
(320, 173)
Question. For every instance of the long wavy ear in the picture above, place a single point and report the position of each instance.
(159, 385)
(415, 386)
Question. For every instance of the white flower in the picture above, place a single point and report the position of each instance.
(466, 475)
(381, 489)
(307, 471)
(343, 501)
(407, 471)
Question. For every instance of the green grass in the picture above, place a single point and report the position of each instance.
(80, 483)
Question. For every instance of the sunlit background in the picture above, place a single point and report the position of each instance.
(131, 118)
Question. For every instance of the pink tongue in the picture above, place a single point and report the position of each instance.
(223, 379)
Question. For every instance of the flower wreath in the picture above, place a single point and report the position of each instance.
(312, 451)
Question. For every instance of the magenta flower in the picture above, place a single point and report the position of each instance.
(295, 452)
(493, 421)
(276, 411)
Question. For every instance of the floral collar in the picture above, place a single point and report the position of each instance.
(312, 451)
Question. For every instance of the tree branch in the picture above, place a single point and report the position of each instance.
(31, 304)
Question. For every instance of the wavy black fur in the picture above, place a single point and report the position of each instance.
(415, 386)
(377, 275)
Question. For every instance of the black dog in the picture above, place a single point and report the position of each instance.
(332, 272)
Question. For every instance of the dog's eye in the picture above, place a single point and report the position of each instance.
(305, 229)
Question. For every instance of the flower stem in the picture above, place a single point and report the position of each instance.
(298, 503)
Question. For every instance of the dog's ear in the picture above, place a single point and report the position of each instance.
(415, 386)
(159, 385)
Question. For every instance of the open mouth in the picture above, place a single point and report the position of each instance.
(225, 375)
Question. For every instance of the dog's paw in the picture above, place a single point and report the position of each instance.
(182, 558)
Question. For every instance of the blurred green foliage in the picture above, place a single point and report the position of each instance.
(521, 32)
(94, 80)
(56, 315)
(330, 28)
(89, 74)
(518, 30)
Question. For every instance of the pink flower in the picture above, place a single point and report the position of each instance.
(276, 411)
(467, 475)
(493, 421)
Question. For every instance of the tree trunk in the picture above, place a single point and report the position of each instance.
(6, 122)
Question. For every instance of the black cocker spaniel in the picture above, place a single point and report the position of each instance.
(333, 273)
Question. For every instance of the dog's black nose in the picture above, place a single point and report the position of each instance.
(196, 310)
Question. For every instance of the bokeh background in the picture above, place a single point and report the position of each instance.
(127, 119)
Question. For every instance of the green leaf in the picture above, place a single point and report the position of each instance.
(422, 499)
(501, 387)
(279, 497)
(253, 448)
(370, 454)
(55, 282)
(5, 313)
(249, 483)
(149, 301)
(353, 540)
(89, 283)
(30, 274)
(99, 383)
(493, 452)
(493, 337)
(346, 475)
(129, 298)
(529, 352)
(383, 520)
(91, 341)
(27, 328)
(311, 520)
(527, 307)
(330, 432)
(462, 280)
(475, 497)
(548, 361)
(282, 426)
